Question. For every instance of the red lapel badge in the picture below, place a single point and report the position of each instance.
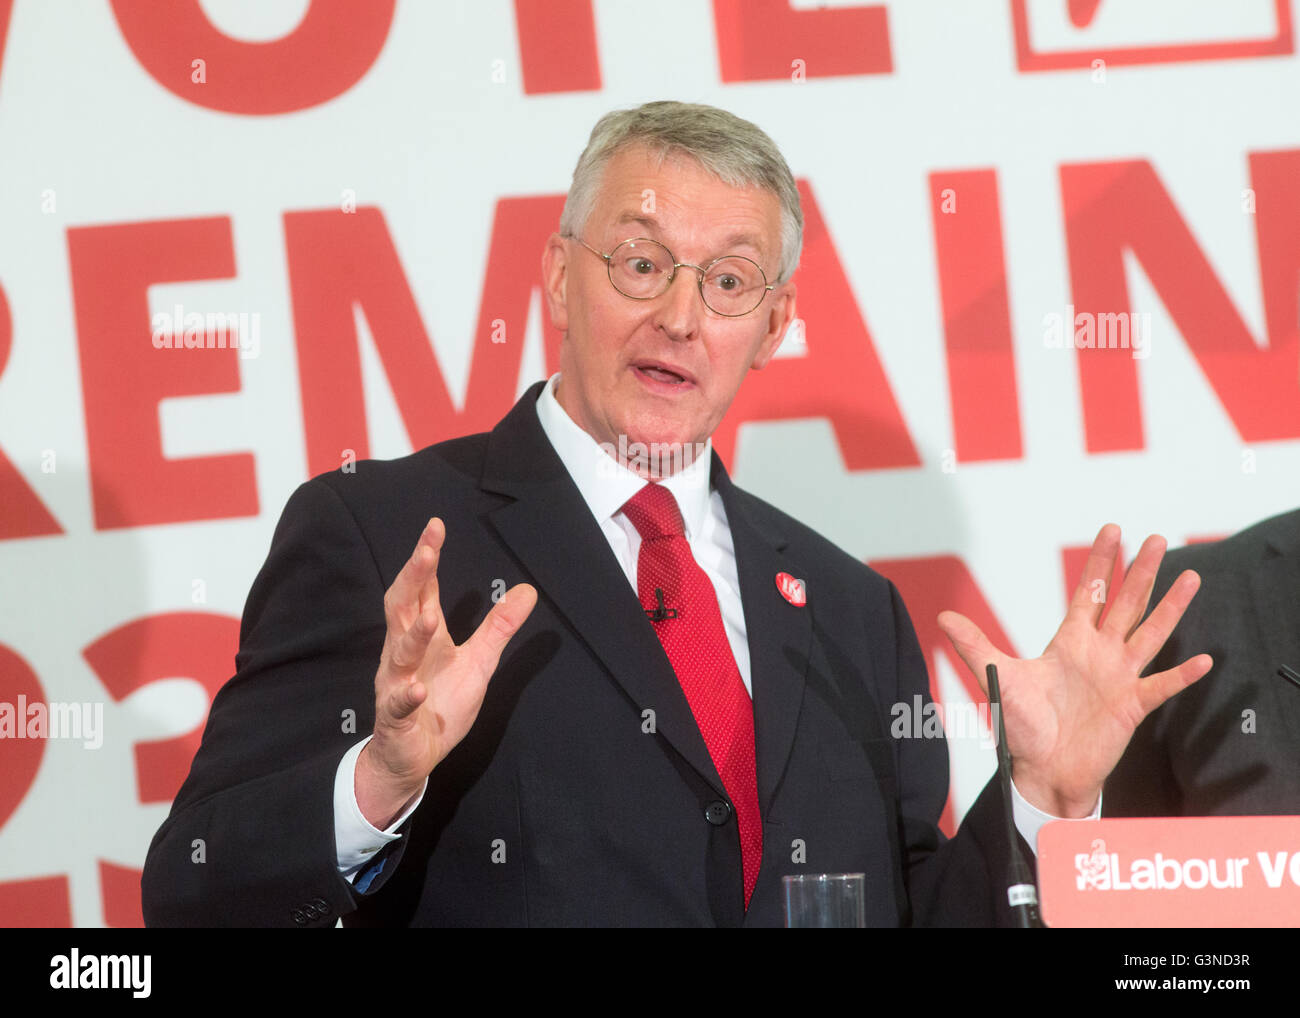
(791, 589)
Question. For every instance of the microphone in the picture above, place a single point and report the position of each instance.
(660, 613)
(1021, 892)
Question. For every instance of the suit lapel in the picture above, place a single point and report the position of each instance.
(550, 528)
(779, 633)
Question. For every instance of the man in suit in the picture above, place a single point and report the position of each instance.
(682, 696)
(1231, 744)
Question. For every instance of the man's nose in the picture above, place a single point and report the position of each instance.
(680, 308)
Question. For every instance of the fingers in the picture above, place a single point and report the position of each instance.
(1130, 602)
(428, 594)
(398, 689)
(403, 697)
(1148, 638)
(414, 618)
(408, 649)
(972, 646)
(1156, 689)
(402, 599)
(1097, 572)
(502, 622)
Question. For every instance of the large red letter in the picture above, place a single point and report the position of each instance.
(1113, 207)
(759, 40)
(20, 757)
(195, 645)
(338, 261)
(119, 890)
(327, 54)
(23, 515)
(41, 901)
(557, 46)
(123, 376)
(6, 7)
(976, 320)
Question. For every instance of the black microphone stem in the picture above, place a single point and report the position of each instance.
(1021, 892)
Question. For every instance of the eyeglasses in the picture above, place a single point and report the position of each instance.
(643, 269)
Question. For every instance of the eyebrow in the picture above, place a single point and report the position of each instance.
(735, 240)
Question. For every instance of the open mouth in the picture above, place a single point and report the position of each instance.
(658, 373)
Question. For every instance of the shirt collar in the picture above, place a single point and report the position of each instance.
(606, 483)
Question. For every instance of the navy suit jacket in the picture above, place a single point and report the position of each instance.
(567, 803)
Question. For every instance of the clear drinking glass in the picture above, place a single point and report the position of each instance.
(825, 901)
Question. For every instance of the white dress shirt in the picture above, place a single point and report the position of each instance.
(606, 485)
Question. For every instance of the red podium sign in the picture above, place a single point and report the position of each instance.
(1171, 872)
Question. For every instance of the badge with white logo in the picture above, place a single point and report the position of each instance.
(791, 589)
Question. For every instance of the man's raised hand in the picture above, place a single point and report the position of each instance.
(1070, 713)
(428, 690)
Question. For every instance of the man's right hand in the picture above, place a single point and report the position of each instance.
(428, 691)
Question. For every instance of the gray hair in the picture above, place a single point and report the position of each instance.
(735, 151)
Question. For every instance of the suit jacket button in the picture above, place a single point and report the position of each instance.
(299, 916)
(321, 905)
(717, 812)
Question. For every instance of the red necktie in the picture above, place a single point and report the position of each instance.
(670, 581)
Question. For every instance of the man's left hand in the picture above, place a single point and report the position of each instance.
(1070, 713)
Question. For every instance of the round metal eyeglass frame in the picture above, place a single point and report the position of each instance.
(702, 270)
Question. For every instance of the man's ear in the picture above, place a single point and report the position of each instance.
(779, 316)
(555, 276)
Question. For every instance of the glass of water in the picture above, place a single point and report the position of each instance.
(825, 901)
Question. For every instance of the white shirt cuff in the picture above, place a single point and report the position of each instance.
(356, 839)
(1030, 819)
